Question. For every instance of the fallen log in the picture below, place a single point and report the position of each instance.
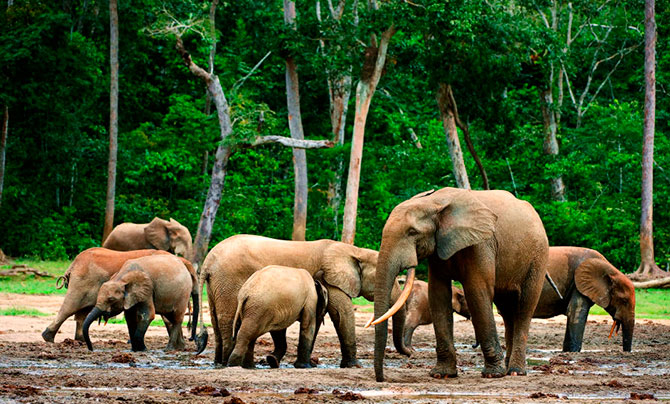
(23, 269)
(654, 283)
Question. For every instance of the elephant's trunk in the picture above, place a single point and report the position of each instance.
(196, 310)
(399, 319)
(387, 269)
(92, 316)
(627, 332)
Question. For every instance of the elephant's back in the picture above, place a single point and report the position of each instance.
(126, 237)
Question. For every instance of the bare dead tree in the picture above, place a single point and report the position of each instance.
(451, 134)
(295, 127)
(113, 116)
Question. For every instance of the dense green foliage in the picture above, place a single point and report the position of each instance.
(54, 76)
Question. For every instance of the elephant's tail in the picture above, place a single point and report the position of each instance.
(64, 280)
(237, 322)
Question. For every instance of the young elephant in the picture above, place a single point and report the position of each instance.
(418, 308)
(585, 277)
(144, 287)
(89, 270)
(159, 234)
(271, 300)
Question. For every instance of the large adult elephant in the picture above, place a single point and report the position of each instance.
(585, 277)
(159, 234)
(83, 278)
(491, 242)
(348, 272)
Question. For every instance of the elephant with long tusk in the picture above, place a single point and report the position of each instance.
(491, 242)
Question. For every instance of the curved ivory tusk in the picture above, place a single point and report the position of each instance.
(369, 323)
(612, 330)
(401, 300)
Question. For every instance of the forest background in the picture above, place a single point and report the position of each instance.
(512, 66)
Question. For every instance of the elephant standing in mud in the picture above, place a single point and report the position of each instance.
(83, 278)
(159, 234)
(585, 277)
(348, 272)
(144, 287)
(418, 308)
(490, 241)
(271, 300)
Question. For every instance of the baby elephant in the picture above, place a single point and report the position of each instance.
(271, 300)
(144, 287)
(418, 309)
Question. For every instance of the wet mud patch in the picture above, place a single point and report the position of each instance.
(67, 372)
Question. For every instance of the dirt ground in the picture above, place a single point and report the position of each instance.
(32, 370)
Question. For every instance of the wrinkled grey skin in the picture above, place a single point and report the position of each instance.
(584, 277)
(271, 300)
(160, 234)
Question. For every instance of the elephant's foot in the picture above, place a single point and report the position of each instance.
(49, 335)
(79, 338)
(350, 363)
(247, 365)
(272, 361)
(302, 365)
(514, 371)
(444, 371)
(139, 347)
(493, 371)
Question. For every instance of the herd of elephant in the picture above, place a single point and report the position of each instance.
(491, 242)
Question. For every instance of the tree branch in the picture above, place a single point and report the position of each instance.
(654, 283)
(290, 142)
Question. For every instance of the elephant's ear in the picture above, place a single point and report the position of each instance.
(342, 268)
(592, 278)
(138, 288)
(463, 222)
(157, 235)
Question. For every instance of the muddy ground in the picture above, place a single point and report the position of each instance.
(65, 372)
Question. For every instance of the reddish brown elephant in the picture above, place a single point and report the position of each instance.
(83, 278)
(585, 277)
(490, 241)
(166, 235)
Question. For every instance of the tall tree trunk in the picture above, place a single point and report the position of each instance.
(449, 123)
(113, 116)
(295, 126)
(223, 153)
(648, 268)
(550, 144)
(371, 72)
(340, 91)
(3, 148)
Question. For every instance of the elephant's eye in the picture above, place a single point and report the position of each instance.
(412, 231)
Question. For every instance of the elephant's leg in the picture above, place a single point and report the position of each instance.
(479, 296)
(509, 334)
(279, 339)
(578, 312)
(176, 342)
(409, 332)
(218, 343)
(223, 304)
(145, 315)
(131, 316)
(306, 340)
(243, 351)
(526, 303)
(71, 305)
(341, 312)
(439, 297)
(79, 317)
